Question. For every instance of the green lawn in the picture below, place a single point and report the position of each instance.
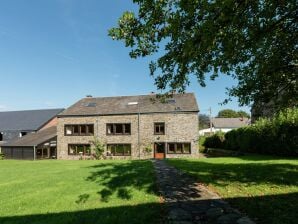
(78, 192)
(266, 188)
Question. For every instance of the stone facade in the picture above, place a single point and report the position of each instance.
(179, 128)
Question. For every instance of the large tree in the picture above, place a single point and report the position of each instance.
(254, 41)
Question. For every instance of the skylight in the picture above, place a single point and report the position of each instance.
(171, 101)
(91, 104)
(132, 103)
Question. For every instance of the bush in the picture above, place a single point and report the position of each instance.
(1, 156)
(215, 141)
(276, 136)
(202, 148)
(99, 148)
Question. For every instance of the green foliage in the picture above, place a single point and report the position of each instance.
(202, 140)
(99, 148)
(204, 121)
(229, 113)
(242, 113)
(253, 41)
(215, 141)
(148, 148)
(1, 156)
(277, 135)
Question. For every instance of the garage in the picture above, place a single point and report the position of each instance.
(39, 145)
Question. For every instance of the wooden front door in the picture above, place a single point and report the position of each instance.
(159, 150)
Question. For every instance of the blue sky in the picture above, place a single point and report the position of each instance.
(54, 52)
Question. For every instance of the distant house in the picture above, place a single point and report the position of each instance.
(14, 125)
(225, 125)
(39, 145)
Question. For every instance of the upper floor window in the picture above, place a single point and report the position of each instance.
(79, 129)
(159, 128)
(79, 149)
(179, 148)
(1, 136)
(118, 129)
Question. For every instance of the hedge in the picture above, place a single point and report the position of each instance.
(275, 136)
(215, 141)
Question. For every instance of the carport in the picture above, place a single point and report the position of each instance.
(39, 145)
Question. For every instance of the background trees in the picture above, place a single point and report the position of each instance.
(229, 113)
(204, 121)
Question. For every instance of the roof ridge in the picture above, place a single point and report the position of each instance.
(100, 97)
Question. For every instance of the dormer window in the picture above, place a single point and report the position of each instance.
(23, 134)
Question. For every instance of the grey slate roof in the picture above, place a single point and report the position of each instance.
(120, 105)
(230, 122)
(29, 120)
(34, 139)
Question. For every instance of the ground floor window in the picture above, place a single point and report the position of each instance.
(179, 148)
(119, 149)
(79, 149)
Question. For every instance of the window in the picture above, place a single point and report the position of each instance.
(118, 129)
(23, 134)
(1, 136)
(82, 129)
(119, 149)
(179, 148)
(79, 149)
(159, 128)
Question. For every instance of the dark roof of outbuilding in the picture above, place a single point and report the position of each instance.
(28, 120)
(127, 105)
(34, 139)
(230, 122)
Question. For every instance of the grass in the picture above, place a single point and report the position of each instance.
(78, 192)
(264, 187)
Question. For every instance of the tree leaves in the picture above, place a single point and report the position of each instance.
(254, 41)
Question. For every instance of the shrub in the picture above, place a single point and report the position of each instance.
(202, 148)
(1, 156)
(98, 148)
(215, 141)
(277, 136)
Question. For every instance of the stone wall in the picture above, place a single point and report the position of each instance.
(179, 127)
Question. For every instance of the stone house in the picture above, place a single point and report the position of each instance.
(131, 127)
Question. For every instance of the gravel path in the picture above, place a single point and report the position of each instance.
(188, 202)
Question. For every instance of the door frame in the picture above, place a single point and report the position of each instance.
(159, 155)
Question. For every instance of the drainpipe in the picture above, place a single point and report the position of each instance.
(139, 132)
(97, 127)
(34, 151)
